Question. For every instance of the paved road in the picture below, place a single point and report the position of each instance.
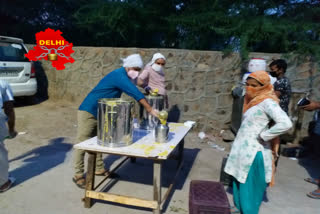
(41, 160)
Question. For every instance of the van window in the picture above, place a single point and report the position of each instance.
(12, 52)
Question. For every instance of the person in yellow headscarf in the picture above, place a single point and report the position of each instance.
(250, 159)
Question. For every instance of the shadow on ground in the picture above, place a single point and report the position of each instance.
(40, 160)
(312, 165)
(142, 172)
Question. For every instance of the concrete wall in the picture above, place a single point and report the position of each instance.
(199, 83)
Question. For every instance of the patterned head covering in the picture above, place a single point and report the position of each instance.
(255, 95)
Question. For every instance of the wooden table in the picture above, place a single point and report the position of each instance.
(144, 146)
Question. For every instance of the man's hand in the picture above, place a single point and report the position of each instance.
(147, 89)
(149, 108)
(311, 106)
(154, 113)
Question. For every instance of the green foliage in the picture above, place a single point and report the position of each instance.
(260, 26)
(22, 21)
(126, 23)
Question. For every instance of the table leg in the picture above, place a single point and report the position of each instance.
(180, 152)
(157, 185)
(90, 178)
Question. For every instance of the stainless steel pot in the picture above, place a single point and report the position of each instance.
(161, 133)
(148, 121)
(114, 122)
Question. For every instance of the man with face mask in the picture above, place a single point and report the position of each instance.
(111, 86)
(152, 77)
(282, 89)
(282, 86)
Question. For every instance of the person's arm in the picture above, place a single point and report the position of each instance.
(278, 93)
(143, 78)
(129, 88)
(281, 119)
(140, 82)
(147, 106)
(9, 111)
(278, 87)
(123, 83)
(313, 105)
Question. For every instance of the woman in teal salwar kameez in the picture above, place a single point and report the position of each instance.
(250, 159)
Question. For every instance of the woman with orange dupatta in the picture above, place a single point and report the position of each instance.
(250, 159)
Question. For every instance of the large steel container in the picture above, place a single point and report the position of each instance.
(148, 121)
(114, 122)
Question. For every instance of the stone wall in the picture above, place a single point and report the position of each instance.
(199, 83)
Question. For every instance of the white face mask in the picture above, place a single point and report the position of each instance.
(156, 67)
(133, 74)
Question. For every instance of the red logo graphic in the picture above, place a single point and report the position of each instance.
(52, 46)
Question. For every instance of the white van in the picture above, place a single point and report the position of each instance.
(15, 68)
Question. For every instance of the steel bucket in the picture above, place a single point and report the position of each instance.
(114, 122)
(161, 133)
(148, 121)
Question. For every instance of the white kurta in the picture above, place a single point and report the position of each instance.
(246, 145)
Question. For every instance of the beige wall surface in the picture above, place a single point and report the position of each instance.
(198, 83)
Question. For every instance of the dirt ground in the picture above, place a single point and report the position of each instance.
(41, 160)
(36, 124)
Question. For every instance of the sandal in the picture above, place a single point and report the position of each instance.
(234, 209)
(312, 180)
(80, 182)
(106, 173)
(314, 194)
(8, 184)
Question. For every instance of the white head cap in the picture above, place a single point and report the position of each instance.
(133, 60)
(155, 57)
